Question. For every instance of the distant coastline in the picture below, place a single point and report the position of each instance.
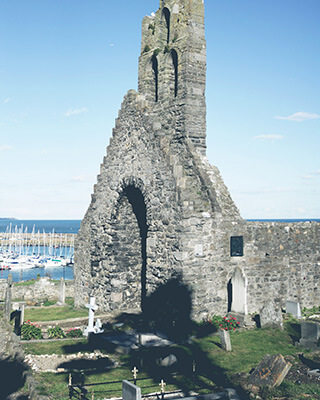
(8, 219)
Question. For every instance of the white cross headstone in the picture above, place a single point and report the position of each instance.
(92, 308)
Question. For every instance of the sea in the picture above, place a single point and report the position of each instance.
(47, 226)
(67, 226)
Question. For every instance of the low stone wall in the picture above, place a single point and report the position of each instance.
(44, 288)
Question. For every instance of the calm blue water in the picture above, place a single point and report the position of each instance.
(59, 226)
(19, 275)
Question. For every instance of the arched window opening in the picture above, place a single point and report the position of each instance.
(155, 69)
(166, 14)
(136, 199)
(175, 67)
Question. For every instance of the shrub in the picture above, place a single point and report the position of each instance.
(208, 326)
(152, 28)
(166, 49)
(146, 48)
(56, 333)
(74, 333)
(30, 331)
(211, 325)
(229, 323)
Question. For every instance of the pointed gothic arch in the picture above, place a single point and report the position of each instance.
(167, 15)
(155, 69)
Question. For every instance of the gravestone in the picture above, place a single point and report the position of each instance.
(8, 299)
(271, 316)
(91, 328)
(225, 340)
(310, 334)
(21, 308)
(293, 308)
(270, 372)
(239, 292)
(130, 391)
(62, 291)
(168, 361)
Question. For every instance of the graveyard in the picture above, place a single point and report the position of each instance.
(175, 294)
(205, 360)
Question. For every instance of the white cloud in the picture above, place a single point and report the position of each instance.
(111, 45)
(268, 137)
(7, 100)
(300, 116)
(311, 175)
(6, 148)
(80, 178)
(75, 111)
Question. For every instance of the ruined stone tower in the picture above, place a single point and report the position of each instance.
(159, 208)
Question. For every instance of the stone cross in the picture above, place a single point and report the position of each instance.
(92, 308)
(225, 340)
(135, 371)
(162, 385)
(8, 299)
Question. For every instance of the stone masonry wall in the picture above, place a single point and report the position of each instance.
(160, 209)
(41, 289)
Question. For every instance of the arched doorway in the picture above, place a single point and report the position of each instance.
(127, 273)
(237, 292)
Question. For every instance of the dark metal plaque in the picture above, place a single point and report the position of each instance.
(236, 246)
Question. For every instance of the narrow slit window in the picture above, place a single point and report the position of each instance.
(155, 74)
(166, 14)
(174, 55)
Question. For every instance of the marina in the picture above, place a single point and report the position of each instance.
(21, 250)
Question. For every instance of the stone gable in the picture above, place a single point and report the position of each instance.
(159, 208)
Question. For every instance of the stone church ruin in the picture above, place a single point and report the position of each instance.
(160, 209)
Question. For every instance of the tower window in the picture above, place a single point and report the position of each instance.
(154, 62)
(174, 55)
(166, 14)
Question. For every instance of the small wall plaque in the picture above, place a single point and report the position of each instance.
(236, 246)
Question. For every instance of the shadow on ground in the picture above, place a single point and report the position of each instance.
(12, 378)
(166, 310)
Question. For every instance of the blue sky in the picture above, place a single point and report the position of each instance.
(65, 66)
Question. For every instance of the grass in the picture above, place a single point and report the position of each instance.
(42, 314)
(214, 367)
(249, 347)
(296, 392)
(25, 283)
(58, 347)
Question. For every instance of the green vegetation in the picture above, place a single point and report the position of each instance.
(74, 333)
(30, 331)
(58, 347)
(292, 391)
(25, 283)
(146, 48)
(214, 368)
(56, 333)
(156, 52)
(310, 311)
(54, 313)
(167, 49)
(152, 28)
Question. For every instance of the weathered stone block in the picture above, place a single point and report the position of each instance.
(270, 372)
